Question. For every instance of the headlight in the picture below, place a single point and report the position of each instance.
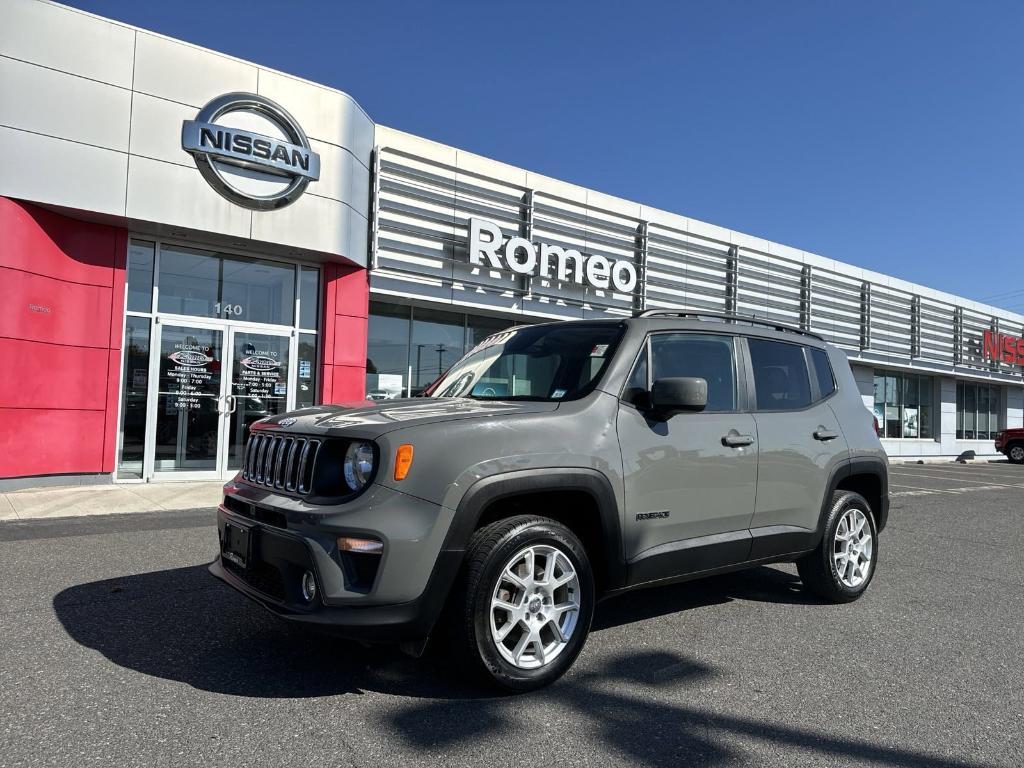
(358, 468)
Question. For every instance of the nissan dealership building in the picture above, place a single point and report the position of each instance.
(190, 242)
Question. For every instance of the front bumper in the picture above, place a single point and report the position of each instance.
(407, 587)
(378, 623)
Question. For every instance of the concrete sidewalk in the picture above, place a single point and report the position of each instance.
(108, 499)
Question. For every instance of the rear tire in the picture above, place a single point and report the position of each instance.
(841, 567)
(523, 610)
(1015, 453)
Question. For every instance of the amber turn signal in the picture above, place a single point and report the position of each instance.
(403, 461)
(360, 546)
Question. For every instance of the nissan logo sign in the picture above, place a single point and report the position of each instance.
(233, 145)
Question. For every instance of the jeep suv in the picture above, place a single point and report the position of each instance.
(1010, 442)
(554, 465)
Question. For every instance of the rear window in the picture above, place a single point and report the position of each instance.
(823, 373)
(780, 375)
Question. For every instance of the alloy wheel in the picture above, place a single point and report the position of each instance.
(853, 548)
(535, 606)
(1017, 453)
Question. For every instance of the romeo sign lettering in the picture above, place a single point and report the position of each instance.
(1004, 348)
(488, 249)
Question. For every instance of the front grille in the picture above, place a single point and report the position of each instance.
(283, 462)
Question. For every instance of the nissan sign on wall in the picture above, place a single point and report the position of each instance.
(251, 150)
(488, 249)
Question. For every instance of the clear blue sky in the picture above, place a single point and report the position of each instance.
(885, 134)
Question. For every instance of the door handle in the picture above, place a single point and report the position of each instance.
(736, 440)
(825, 434)
(234, 403)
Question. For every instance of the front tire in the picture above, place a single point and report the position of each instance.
(1015, 453)
(841, 567)
(527, 598)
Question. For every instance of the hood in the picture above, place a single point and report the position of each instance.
(380, 416)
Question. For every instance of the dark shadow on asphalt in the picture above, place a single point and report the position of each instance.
(182, 625)
(617, 705)
(762, 585)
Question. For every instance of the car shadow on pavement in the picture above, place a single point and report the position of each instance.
(762, 585)
(622, 706)
(183, 625)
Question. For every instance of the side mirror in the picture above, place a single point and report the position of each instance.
(683, 393)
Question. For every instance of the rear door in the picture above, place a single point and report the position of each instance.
(799, 439)
(689, 479)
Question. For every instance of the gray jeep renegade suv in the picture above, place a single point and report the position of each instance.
(554, 465)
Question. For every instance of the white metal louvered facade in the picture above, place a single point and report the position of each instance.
(425, 194)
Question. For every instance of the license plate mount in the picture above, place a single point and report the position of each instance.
(236, 544)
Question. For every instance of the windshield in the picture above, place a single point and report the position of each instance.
(541, 362)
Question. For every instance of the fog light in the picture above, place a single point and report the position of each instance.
(308, 587)
(362, 546)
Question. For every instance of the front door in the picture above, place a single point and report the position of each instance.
(211, 382)
(690, 479)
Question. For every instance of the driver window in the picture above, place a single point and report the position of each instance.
(707, 357)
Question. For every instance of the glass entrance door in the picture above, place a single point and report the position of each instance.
(212, 382)
(186, 410)
(260, 386)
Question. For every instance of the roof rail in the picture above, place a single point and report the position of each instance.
(734, 318)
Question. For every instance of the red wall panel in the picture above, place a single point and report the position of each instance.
(351, 332)
(346, 307)
(46, 243)
(27, 385)
(52, 310)
(50, 442)
(348, 383)
(61, 306)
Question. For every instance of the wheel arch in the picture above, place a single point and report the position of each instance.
(494, 498)
(865, 475)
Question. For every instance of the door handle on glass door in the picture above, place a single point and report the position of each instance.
(825, 434)
(234, 403)
(735, 440)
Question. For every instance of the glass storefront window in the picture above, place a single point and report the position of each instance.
(425, 342)
(892, 408)
(305, 392)
(135, 385)
(230, 288)
(309, 293)
(977, 410)
(387, 352)
(189, 282)
(903, 405)
(140, 276)
(257, 292)
(438, 341)
(927, 394)
(911, 407)
(970, 411)
(479, 328)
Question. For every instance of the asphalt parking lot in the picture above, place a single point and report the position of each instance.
(119, 649)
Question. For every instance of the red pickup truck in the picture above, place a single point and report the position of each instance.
(1011, 442)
